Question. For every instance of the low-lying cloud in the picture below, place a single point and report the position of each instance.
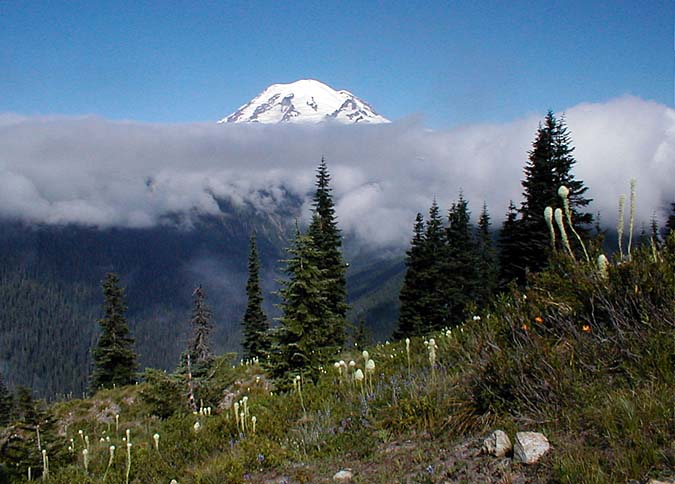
(97, 172)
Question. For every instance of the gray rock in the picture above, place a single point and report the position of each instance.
(345, 475)
(529, 447)
(497, 444)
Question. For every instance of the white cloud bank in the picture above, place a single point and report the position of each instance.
(97, 172)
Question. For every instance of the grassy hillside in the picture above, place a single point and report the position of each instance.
(586, 359)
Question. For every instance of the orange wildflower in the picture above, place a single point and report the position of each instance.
(539, 319)
(525, 327)
(586, 328)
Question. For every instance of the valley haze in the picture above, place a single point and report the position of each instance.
(96, 172)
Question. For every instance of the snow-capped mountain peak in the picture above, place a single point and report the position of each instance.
(304, 101)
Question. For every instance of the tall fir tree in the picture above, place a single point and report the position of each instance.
(434, 310)
(114, 356)
(670, 224)
(328, 242)
(304, 338)
(256, 342)
(199, 348)
(412, 292)
(486, 268)
(22, 442)
(510, 260)
(549, 167)
(460, 275)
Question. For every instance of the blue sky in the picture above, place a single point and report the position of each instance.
(449, 62)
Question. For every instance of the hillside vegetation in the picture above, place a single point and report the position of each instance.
(583, 356)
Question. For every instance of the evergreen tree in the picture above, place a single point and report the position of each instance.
(114, 356)
(670, 224)
(328, 242)
(199, 348)
(434, 309)
(510, 267)
(487, 261)
(412, 292)
(304, 338)
(26, 409)
(22, 443)
(654, 232)
(361, 335)
(460, 276)
(256, 338)
(549, 167)
(5, 403)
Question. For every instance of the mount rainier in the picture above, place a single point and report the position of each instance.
(305, 101)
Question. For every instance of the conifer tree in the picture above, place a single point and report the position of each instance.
(460, 265)
(328, 242)
(510, 260)
(304, 338)
(411, 295)
(199, 348)
(549, 167)
(434, 311)
(114, 356)
(361, 335)
(256, 338)
(22, 443)
(486, 268)
(670, 224)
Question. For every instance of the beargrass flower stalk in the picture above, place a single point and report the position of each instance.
(563, 192)
(298, 387)
(111, 451)
(128, 433)
(37, 432)
(631, 219)
(85, 460)
(156, 439)
(128, 462)
(254, 419)
(81, 434)
(370, 370)
(407, 353)
(619, 226)
(45, 465)
(358, 378)
(365, 355)
(558, 215)
(603, 264)
(432, 347)
(197, 426)
(86, 441)
(548, 217)
(244, 401)
(242, 419)
(117, 423)
(236, 414)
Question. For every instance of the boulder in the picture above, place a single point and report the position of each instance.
(529, 447)
(345, 475)
(497, 444)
